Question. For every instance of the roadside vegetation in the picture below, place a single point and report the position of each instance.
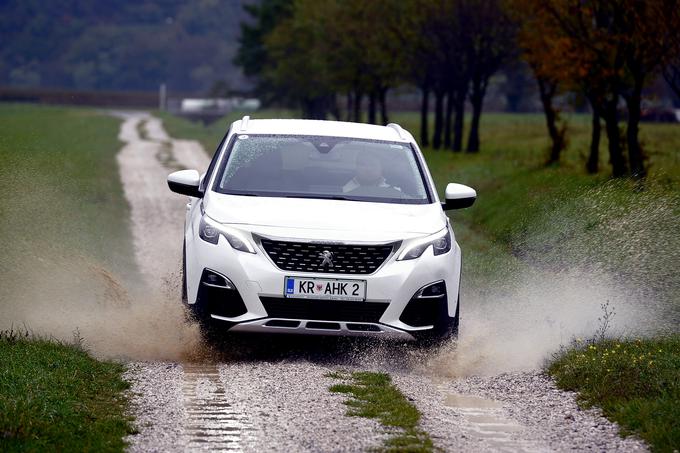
(55, 397)
(372, 395)
(635, 382)
(63, 224)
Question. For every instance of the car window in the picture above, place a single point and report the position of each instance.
(211, 167)
(322, 167)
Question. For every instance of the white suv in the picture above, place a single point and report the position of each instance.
(323, 228)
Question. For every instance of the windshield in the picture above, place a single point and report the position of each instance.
(322, 167)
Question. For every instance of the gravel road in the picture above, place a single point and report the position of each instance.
(271, 394)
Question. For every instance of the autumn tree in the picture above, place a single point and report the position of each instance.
(534, 26)
(614, 47)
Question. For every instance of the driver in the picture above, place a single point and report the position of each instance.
(368, 173)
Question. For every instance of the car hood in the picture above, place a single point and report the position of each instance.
(371, 219)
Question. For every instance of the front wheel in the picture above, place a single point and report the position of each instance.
(444, 330)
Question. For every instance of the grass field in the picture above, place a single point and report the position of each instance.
(55, 397)
(63, 223)
(60, 192)
(529, 217)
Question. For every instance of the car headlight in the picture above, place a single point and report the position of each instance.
(440, 242)
(210, 231)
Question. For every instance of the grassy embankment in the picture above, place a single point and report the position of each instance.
(635, 382)
(56, 397)
(60, 199)
(560, 217)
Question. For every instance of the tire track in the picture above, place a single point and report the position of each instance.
(212, 421)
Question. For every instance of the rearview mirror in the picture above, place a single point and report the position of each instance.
(185, 182)
(459, 196)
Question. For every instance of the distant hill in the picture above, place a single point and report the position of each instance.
(120, 45)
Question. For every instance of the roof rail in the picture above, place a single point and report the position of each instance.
(398, 129)
(244, 123)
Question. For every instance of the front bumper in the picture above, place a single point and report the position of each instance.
(259, 288)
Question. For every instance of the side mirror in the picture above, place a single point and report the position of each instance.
(185, 182)
(459, 196)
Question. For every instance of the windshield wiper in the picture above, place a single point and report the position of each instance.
(245, 194)
(321, 197)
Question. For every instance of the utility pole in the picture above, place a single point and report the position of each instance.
(162, 97)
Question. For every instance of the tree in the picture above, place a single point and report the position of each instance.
(252, 54)
(614, 46)
(452, 68)
(297, 68)
(672, 74)
(581, 35)
(489, 43)
(649, 29)
(534, 26)
(362, 42)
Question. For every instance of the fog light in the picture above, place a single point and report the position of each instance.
(215, 280)
(431, 291)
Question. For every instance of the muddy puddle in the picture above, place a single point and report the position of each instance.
(484, 419)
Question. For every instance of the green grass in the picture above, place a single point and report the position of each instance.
(374, 396)
(60, 192)
(55, 397)
(635, 382)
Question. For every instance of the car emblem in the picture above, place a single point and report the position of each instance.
(327, 258)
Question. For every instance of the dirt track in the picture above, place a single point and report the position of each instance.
(274, 396)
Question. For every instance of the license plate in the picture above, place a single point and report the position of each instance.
(325, 288)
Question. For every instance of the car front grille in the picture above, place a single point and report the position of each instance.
(342, 258)
(323, 310)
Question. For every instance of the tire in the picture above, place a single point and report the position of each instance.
(211, 331)
(185, 297)
(445, 330)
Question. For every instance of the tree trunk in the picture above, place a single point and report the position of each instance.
(315, 108)
(593, 164)
(424, 113)
(635, 156)
(333, 107)
(350, 106)
(383, 106)
(459, 119)
(672, 75)
(358, 96)
(372, 107)
(438, 119)
(477, 100)
(447, 119)
(611, 119)
(547, 90)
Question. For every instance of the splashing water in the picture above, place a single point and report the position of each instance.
(606, 246)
